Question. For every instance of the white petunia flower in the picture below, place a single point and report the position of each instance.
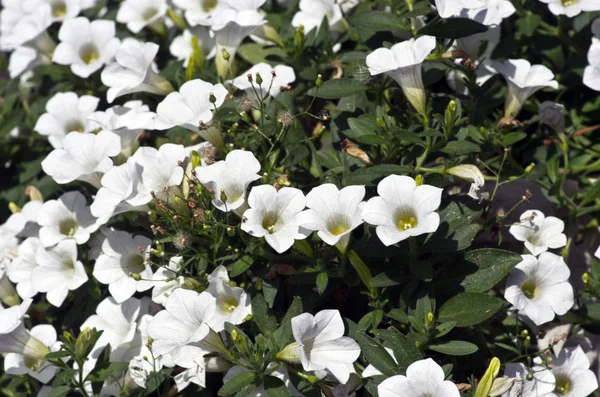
(138, 14)
(453, 8)
(591, 73)
(84, 157)
(28, 30)
(322, 344)
(274, 78)
(190, 106)
(423, 378)
(231, 27)
(523, 79)
(542, 383)
(15, 338)
(333, 213)
(121, 256)
(18, 364)
(197, 12)
(571, 8)
(24, 223)
(572, 373)
(133, 71)
(490, 12)
(118, 185)
(229, 179)
(183, 322)
(181, 47)
(61, 9)
(165, 280)
(403, 209)
(58, 271)
(127, 121)
(66, 218)
(24, 59)
(552, 114)
(273, 214)
(312, 13)
(469, 173)
(539, 287)
(56, 123)
(20, 269)
(538, 232)
(403, 63)
(232, 303)
(86, 46)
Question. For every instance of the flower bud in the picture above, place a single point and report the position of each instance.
(33, 193)
(419, 180)
(226, 55)
(135, 276)
(587, 281)
(230, 231)
(300, 38)
(529, 168)
(259, 79)
(13, 208)
(430, 320)
(212, 98)
(487, 380)
(290, 353)
(450, 115)
(319, 81)
(85, 343)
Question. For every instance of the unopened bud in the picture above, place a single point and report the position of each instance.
(259, 79)
(529, 168)
(587, 281)
(430, 319)
(226, 55)
(529, 377)
(380, 122)
(135, 276)
(212, 98)
(33, 193)
(419, 180)
(450, 115)
(230, 231)
(84, 344)
(13, 208)
(319, 81)
(245, 117)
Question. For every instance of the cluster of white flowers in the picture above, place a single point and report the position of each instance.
(183, 322)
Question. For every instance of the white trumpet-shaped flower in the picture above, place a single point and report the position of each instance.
(524, 80)
(127, 121)
(333, 213)
(542, 383)
(69, 217)
(403, 209)
(552, 114)
(20, 269)
(229, 179)
(58, 271)
(190, 106)
(539, 287)
(470, 173)
(86, 46)
(322, 344)
(24, 223)
(197, 12)
(183, 322)
(123, 254)
(56, 123)
(573, 375)
(403, 63)
(232, 303)
(138, 14)
(133, 71)
(18, 364)
(423, 378)
(571, 8)
(312, 13)
(87, 155)
(28, 29)
(273, 214)
(591, 73)
(273, 79)
(539, 232)
(15, 338)
(182, 48)
(489, 12)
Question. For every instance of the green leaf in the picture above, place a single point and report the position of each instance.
(260, 313)
(458, 148)
(58, 354)
(371, 139)
(398, 315)
(361, 268)
(256, 53)
(480, 270)
(275, 387)
(379, 21)
(469, 308)
(236, 383)
(376, 355)
(337, 88)
(528, 25)
(64, 377)
(443, 328)
(361, 126)
(284, 334)
(367, 175)
(322, 281)
(107, 370)
(240, 266)
(58, 391)
(455, 348)
(155, 379)
(382, 280)
(405, 350)
(452, 28)
(513, 137)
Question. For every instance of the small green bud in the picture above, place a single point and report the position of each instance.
(212, 98)
(587, 281)
(146, 358)
(223, 196)
(419, 180)
(259, 79)
(300, 38)
(487, 380)
(226, 55)
(150, 340)
(430, 319)
(450, 115)
(67, 336)
(83, 346)
(13, 208)
(529, 377)
(380, 122)
(527, 341)
(135, 276)
(192, 283)
(230, 231)
(319, 81)
(246, 117)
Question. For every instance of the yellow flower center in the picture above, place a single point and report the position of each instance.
(338, 226)
(269, 222)
(89, 54)
(208, 5)
(406, 220)
(530, 289)
(149, 13)
(33, 364)
(229, 304)
(74, 126)
(68, 227)
(563, 386)
(59, 9)
(567, 3)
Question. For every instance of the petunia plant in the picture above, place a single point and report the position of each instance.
(381, 198)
